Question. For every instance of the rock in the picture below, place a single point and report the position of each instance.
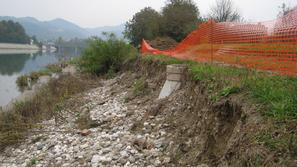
(40, 146)
(124, 154)
(111, 142)
(202, 165)
(84, 146)
(85, 132)
(166, 160)
(95, 160)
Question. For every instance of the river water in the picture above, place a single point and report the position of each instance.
(14, 65)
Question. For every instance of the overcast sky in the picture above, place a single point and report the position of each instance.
(93, 13)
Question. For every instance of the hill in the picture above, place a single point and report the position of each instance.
(53, 29)
(12, 32)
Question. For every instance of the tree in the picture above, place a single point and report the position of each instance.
(144, 24)
(180, 17)
(224, 11)
(12, 32)
(284, 10)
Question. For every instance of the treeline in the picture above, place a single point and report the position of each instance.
(175, 20)
(13, 32)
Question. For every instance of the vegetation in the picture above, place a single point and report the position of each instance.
(224, 11)
(176, 20)
(72, 43)
(140, 87)
(179, 18)
(15, 124)
(22, 81)
(284, 10)
(12, 32)
(104, 55)
(277, 94)
(144, 25)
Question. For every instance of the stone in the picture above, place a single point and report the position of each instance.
(95, 160)
(40, 146)
(202, 165)
(166, 160)
(109, 144)
(85, 132)
(84, 146)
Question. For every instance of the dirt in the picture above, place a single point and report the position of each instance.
(200, 131)
(163, 43)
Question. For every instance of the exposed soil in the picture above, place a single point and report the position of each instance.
(163, 43)
(203, 132)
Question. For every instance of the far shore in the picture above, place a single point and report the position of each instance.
(9, 48)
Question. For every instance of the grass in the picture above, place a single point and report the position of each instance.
(15, 124)
(279, 143)
(22, 81)
(140, 87)
(277, 94)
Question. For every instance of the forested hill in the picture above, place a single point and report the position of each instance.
(12, 32)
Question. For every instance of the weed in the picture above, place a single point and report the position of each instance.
(33, 161)
(229, 90)
(54, 68)
(279, 142)
(140, 87)
(111, 73)
(22, 81)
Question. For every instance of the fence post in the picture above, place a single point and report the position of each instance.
(211, 40)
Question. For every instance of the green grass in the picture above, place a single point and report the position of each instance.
(277, 94)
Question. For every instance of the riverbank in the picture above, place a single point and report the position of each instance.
(7, 48)
(121, 122)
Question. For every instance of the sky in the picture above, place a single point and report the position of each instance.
(95, 13)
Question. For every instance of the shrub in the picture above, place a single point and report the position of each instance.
(22, 81)
(101, 55)
(54, 68)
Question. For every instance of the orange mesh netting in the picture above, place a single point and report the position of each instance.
(270, 46)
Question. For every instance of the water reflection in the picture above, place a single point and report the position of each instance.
(10, 64)
(14, 65)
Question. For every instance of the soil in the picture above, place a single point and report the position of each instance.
(203, 132)
(163, 43)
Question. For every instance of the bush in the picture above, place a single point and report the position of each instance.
(22, 81)
(101, 55)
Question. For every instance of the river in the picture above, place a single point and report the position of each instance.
(14, 65)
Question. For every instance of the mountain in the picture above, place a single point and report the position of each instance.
(53, 29)
(117, 30)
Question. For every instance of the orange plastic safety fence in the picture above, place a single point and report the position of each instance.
(270, 46)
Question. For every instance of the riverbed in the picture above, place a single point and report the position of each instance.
(15, 64)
